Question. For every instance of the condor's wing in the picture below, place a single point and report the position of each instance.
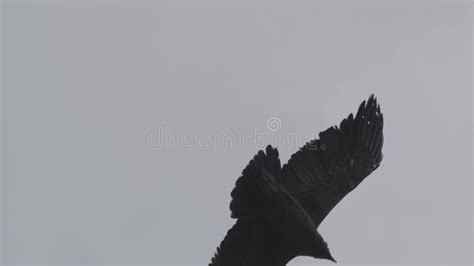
(322, 172)
(240, 245)
(252, 240)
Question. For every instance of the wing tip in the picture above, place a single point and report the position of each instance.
(245, 195)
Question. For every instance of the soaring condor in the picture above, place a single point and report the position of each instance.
(279, 209)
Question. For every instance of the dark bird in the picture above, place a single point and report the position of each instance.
(279, 209)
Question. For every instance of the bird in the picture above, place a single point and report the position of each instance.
(278, 209)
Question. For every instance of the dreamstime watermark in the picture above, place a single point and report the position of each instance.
(164, 139)
(273, 124)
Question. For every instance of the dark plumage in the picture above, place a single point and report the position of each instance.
(278, 209)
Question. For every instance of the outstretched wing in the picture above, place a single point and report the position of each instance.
(252, 240)
(271, 228)
(247, 199)
(322, 172)
(239, 245)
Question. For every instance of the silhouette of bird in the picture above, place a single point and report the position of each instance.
(278, 209)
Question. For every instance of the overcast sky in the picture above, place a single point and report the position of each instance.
(89, 89)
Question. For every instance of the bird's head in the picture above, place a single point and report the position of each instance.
(319, 249)
(319, 253)
(326, 255)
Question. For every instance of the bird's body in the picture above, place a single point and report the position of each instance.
(278, 209)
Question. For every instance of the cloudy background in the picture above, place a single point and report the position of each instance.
(85, 87)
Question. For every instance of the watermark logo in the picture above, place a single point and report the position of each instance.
(167, 139)
(273, 124)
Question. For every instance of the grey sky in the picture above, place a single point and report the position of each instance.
(84, 86)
